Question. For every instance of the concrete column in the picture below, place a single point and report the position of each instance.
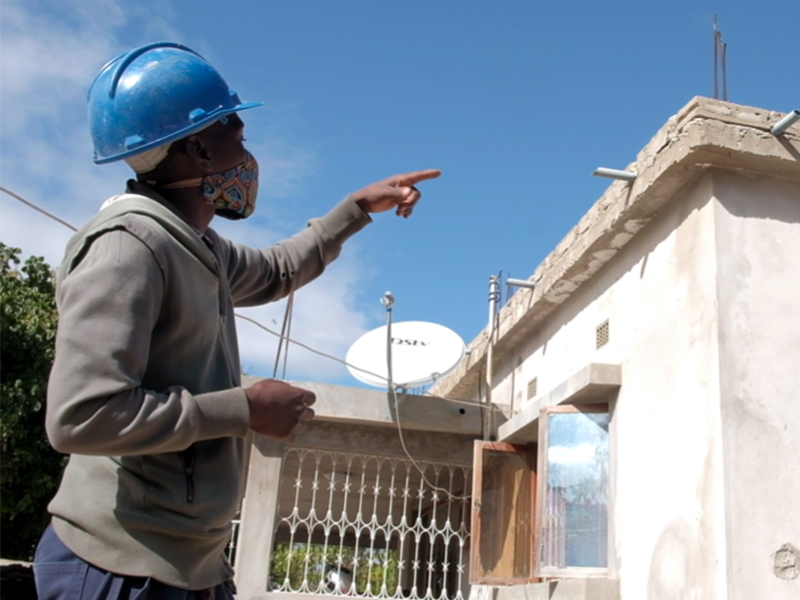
(257, 528)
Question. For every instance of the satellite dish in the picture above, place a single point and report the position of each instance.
(421, 353)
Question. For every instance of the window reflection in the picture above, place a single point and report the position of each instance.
(575, 503)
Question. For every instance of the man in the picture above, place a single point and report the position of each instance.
(145, 390)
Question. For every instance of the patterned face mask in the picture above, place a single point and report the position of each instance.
(232, 193)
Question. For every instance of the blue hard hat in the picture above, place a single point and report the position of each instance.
(154, 95)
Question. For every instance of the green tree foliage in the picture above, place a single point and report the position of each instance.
(30, 468)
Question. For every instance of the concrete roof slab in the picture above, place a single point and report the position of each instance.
(705, 134)
(592, 383)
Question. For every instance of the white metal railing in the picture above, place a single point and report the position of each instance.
(371, 526)
(230, 551)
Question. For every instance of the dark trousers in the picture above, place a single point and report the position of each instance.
(61, 575)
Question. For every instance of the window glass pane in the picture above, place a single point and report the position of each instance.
(505, 544)
(575, 509)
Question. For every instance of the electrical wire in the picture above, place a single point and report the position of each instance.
(351, 366)
(283, 336)
(36, 208)
(288, 317)
(309, 348)
(286, 330)
(387, 301)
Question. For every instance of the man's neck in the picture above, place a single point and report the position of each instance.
(192, 206)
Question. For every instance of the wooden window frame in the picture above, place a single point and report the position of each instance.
(530, 453)
(549, 573)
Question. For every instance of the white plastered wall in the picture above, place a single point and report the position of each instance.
(659, 295)
(758, 241)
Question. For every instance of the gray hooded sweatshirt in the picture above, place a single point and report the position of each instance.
(145, 390)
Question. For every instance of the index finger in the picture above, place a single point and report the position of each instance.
(408, 179)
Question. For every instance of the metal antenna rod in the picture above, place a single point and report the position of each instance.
(387, 301)
(494, 297)
(724, 70)
(720, 62)
(716, 52)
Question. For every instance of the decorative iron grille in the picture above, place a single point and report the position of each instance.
(371, 526)
(230, 551)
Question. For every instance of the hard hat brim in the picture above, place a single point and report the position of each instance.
(201, 124)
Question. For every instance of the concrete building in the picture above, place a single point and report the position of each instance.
(646, 412)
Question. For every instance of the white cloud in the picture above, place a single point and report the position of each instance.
(50, 53)
(19, 223)
(581, 453)
(49, 56)
(323, 318)
(282, 167)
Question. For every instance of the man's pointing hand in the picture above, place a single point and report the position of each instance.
(396, 192)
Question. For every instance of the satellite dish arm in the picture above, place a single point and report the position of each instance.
(388, 301)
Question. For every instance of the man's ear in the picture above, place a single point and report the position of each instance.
(198, 153)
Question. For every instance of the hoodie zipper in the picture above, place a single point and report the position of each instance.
(222, 287)
(187, 458)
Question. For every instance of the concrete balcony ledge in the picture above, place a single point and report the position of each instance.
(342, 404)
(562, 589)
(592, 383)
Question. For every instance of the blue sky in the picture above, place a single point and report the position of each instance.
(517, 102)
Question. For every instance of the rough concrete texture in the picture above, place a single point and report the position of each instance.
(258, 520)
(366, 439)
(786, 562)
(342, 404)
(564, 589)
(705, 134)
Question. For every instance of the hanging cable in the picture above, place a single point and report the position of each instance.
(284, 336)
(388, 301)
(347, 364)
(36, 208)
(309, 348)
(286, 329)
(290, 313)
